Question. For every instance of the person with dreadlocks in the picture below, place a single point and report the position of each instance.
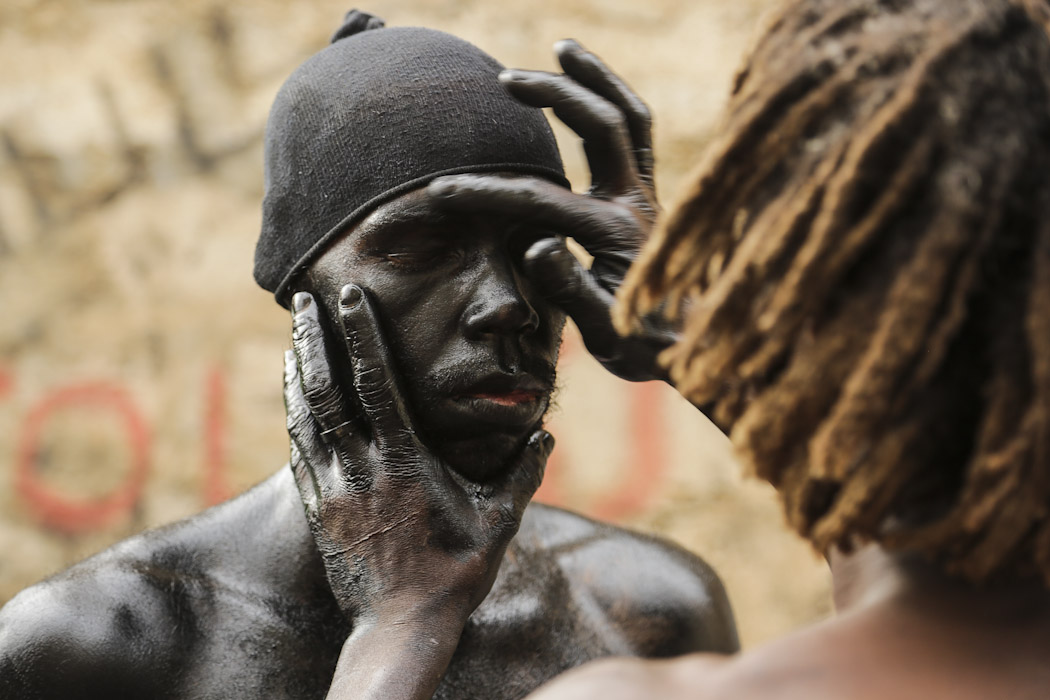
(861, 282)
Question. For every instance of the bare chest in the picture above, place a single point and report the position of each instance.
(523, 634)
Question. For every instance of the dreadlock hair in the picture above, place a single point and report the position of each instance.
(862, 276)
(1039, 10)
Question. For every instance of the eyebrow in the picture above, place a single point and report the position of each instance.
(405, 223)
(416, 215)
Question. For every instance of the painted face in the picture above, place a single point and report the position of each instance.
(475, 344)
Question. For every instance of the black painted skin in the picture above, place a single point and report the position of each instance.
(236, 602)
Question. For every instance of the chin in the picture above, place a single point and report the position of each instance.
(482, 458)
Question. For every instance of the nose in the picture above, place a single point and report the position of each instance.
(499, 306)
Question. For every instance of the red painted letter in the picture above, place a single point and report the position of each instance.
(79, 515)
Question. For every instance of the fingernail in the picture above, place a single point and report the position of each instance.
(300, 301)
(511, 76)
(351, 296)
(565, 45)
(547, 441)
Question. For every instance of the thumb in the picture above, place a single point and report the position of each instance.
(523, 479)
(564, 281)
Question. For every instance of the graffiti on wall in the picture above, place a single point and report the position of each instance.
(643, 452)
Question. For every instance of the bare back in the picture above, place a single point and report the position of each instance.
(900, 635)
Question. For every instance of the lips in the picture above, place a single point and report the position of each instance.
(510, 398)
(502, 400)
(510, 388)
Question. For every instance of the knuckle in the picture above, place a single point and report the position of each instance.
(571, 287)
(296, 419)
(506, 518)
(612, 118)
(322, 398)
(622, 220)
(371, 384)
(358, 482)
(350, 317)
(641, 113)
(316, 387)
(305, 329)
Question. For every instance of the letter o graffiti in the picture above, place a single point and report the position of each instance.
(79, 514)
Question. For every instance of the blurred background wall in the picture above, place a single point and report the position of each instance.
(140, 367)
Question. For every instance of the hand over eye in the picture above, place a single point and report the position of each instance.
(612, 221)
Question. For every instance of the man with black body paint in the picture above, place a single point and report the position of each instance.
(424, 347)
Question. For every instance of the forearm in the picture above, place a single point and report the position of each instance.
(397, 659)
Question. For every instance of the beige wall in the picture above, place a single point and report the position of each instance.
(140, 365)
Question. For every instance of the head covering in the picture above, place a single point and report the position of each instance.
(380, 112)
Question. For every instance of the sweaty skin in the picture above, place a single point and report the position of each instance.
(450, 383)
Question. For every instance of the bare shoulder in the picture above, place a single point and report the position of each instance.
(119, 622)
(778, 671)
(98, 626)
(667, 600)
(693, 677)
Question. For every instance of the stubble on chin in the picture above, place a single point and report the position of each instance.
(482, 458)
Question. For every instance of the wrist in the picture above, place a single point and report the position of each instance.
(418, 612)
(397, 654)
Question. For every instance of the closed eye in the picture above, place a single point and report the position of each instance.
(419, 257)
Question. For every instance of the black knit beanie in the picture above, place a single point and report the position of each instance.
(380, 112)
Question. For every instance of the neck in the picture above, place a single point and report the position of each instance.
(267, 532)
(871, 576)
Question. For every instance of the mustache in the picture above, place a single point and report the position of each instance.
(450, 380)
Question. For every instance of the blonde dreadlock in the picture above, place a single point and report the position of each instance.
(863, 272)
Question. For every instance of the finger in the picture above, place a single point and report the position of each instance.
(375, 378)
(309, 491)
(322, 394)
(600, 124)
(308, 450)
(590, 71)
(601, 227)
(521, 483)
(562, 279)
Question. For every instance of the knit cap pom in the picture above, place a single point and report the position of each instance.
(356, 22)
